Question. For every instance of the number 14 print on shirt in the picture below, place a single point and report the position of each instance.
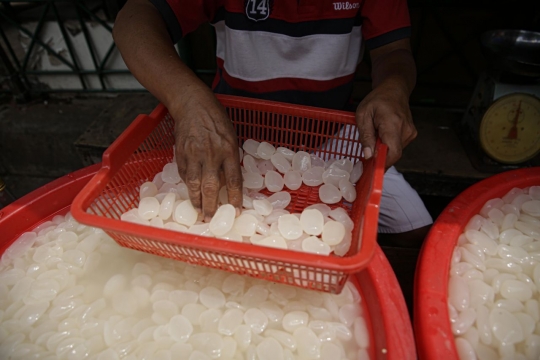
(258, 10)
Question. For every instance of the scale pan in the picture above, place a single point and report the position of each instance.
(514, 51)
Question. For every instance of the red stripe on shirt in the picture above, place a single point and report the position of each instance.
(379, 16)
(293, 12)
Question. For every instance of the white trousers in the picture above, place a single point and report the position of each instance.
(401, 208)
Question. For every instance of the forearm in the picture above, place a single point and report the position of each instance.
(395, 68)
(145, 45)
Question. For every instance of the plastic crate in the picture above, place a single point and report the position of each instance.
(147, 145)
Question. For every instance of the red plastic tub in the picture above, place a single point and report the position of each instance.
(433, 332)
(391, 330)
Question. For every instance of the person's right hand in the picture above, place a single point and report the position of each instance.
(207, 149)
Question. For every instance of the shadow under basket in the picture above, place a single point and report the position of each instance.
(147, 145)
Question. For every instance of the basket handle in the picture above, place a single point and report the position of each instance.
(114, 157)
(126, 144)
(372, 201)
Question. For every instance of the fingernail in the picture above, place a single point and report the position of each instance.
(237, 212)
(367, 153)
(207, 219)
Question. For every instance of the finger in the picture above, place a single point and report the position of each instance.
(368, 137)
(411, 133)
(233, 180)
(222, 181)
(193, 183)
(210, 190)
(390, 135)
(409, 139)
(182, 165)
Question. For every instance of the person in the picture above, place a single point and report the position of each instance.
(303, 52)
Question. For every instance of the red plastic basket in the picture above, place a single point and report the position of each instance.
(146, 146)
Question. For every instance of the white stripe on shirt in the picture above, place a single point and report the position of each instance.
(259, 55)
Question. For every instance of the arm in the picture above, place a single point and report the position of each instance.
(385, 112)
(206, 143)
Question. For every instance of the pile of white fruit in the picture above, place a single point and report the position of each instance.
(164, 202)
(68, 291)
(494, 285)
(284, 167)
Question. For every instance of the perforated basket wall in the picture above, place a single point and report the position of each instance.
(147, 145)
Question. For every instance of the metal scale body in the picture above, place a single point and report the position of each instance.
(500, 130)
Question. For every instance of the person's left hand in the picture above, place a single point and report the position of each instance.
(385, 113)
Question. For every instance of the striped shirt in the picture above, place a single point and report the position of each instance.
(296, 51)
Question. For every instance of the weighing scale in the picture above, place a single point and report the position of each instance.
(500, 130)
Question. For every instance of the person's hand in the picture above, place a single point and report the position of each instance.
(385, 113)
(207, 150)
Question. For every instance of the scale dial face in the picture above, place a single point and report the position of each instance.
(510, 129)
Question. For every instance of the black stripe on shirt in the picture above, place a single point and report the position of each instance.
(388, 37)
(173, 27)
(336, 98)
(237, 21)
